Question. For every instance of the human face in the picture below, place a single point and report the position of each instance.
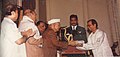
(91, 27)
(33, 16)
(41, 27)
(57, 26)
(73, 21)
(14, 15)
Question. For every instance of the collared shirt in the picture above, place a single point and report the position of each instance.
(74, 27)
(10, 34)
(28, 23)
(33, 45)
(98, 43)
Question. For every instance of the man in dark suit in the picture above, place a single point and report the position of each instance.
(78, 32)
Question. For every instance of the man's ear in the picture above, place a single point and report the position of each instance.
(13, 13)
(94, 25)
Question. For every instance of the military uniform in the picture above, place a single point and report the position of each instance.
(79, 33)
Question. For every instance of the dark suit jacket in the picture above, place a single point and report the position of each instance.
(78, 34)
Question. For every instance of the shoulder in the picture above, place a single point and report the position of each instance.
(7, 24)
(81, 28)
(100, 32)
(69, 27)
(25, 22)
(49, 31)
(26, 25)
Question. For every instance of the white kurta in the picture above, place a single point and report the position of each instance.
(9, 34)
(28, 23)
(98, 43)
(32, 50)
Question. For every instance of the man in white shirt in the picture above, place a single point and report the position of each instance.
(97, 41)
(11, 39)
(33, 44)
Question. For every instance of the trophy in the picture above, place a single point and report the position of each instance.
(68, 37)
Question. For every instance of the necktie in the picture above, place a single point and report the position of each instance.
(73, 27)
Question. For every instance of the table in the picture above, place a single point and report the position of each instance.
(73, 50)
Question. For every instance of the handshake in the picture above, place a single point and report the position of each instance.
(76, 43)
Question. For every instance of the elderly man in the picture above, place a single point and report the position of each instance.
(33, 44)
(97, 41)
(51, 44)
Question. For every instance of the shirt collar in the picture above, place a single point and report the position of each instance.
(26, 18)
(74, 26)
(95, 31)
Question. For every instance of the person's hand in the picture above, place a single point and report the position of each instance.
(41, 43)
(72, 43)
(28, 33)
(80, 44)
